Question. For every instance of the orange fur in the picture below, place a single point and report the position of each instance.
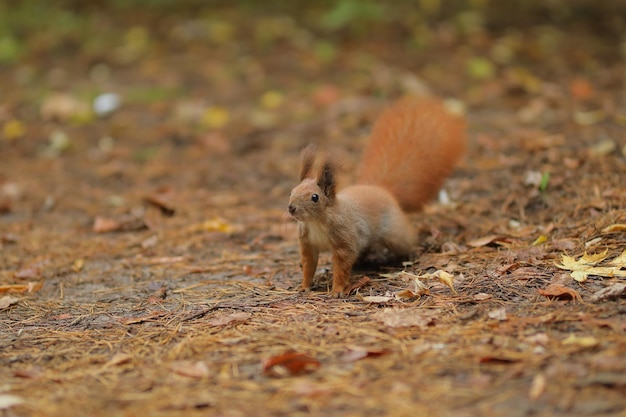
(414, 147)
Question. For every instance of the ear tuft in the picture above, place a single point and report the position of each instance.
(326, 179)
(307, 156)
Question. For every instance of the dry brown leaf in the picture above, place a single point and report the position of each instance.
(375, 299)
(484, 241)
(395, 317)
(560, 292)
(7, 401)
(360, 284)
(416, 289)
(240, 316)
(163, 199)
(189, 369)
(125, 223)
(290, 364)
(498, 314)
(158, 296)
(30, 287)
(105, 224)
(482, 296)
(7, 301)
(28, 273)
(356, 353)
(581, 89)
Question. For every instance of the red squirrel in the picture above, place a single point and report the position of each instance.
(413, 148)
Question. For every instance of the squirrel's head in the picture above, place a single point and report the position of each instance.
(310, 199)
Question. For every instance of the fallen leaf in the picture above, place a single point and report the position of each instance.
(560, 292)
(446, 279)
(158, 296)
(582, 341)
(28, 273)
(393, 317)
(619, 261)
(356, 353)
(360, 284)
(443, 277)
(290, 364)
(416, 289)
(482, 296)
(125, 223)
(213, 225)
(589, 118)
(7, 301)
(586, 265)
(215, 117)
(78, 264)
(484, 241)
(189, 369)
(240, 316)
(7, 401)
(603, 148)
(163, 199)
(581, 89)
(498, 314)
(375, 299)
(30, 287)
(105, 224)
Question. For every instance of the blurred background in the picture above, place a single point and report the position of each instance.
(115, 88)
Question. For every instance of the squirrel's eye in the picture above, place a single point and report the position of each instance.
(315, 198)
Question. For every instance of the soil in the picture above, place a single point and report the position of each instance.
(148, 265)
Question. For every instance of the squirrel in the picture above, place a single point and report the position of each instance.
(413, 148)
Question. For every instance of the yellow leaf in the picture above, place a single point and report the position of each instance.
(217, 225)
(620, 260)
(78, 264)
(13, 129)
(586, 266)
(591, 259)
(582, 341)
(272, 100)
(445, 278)
(541, 239)
(215, 117)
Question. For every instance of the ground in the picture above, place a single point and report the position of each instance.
(147, 264)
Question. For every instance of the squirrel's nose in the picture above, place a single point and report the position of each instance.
(292, 209)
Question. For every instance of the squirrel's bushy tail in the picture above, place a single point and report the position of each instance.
(413, 148)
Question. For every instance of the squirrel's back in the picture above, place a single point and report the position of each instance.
(413, 148)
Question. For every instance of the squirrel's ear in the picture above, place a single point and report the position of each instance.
(307, 156)
(326, 179)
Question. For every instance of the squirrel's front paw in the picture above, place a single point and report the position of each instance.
(338, 292)
(304, 289)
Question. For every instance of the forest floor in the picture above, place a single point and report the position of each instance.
(148, 267)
